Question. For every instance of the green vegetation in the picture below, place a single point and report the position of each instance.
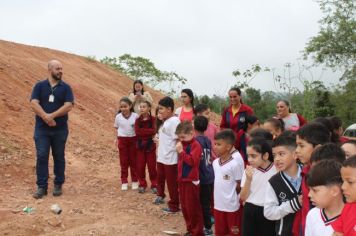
(145, 70)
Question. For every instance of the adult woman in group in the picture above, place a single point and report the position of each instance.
(138, 95)
(292, 121)
(186, 112)
(234, 117)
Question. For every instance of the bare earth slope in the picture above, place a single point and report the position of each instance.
(92, 202)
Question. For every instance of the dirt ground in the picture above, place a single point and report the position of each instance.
(92, 203)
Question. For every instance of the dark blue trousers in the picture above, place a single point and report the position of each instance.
(46, 140)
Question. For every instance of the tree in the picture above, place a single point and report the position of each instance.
(245, 78)
(344, 99)
(145, 70)
(335, 44)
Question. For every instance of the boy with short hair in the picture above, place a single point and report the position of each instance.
(328, 151)
(309, 137)
(206, 171)
(346, 223)
(228, 170)
(324, 181)
(167, 156)
(189, 155)
(212, 129)
(283, 193)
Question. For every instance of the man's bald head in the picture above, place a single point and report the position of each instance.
(52, 63)
(55, 69)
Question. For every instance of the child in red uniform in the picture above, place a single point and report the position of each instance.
(228, 172)
(309, 137)
(145, 128)
(346, 223)
(189, 154)
(124, 123)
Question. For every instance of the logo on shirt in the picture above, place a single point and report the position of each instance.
(282, 196)
(242, 119)
(226, 177)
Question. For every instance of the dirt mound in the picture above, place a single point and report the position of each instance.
(92, 202)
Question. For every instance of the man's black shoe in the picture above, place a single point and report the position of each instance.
(40, 193)
(57, 191)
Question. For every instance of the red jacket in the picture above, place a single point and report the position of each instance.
(145, 130)
(188, 161)
(306, 205)
(302, 120)
(237, 124)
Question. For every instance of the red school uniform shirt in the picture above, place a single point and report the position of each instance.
(237, 123)
(145, 130)
(306, 205)
(188, 161)
(346, 223)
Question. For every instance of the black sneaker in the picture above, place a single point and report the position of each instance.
(159, 200)
(141, 190)
(57, 190)
(40, 193)
(154, 190)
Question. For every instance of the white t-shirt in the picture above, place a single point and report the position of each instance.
(259, 182)
(167, 153)
(226, 174)
(125, 126)
(318, 224)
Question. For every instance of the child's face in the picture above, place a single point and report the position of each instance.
(270, 128)
(255, 158)
(349, 149)
(322, 196)
(284, 158)
(165, 112)
(253, 126)
(185, 137)
(205, 113)
(222, 147)
(348, 175)
(144, 108)
(125, 108)
(304, 150)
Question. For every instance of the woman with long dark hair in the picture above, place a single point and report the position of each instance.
(139, 95)
(234, 117)
(186, 112)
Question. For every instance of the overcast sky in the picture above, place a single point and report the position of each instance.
(202, 40)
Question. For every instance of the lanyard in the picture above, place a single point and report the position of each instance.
(52, 89)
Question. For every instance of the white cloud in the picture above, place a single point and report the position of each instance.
(202, 40)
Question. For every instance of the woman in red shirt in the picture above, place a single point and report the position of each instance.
(186, 112)
(234, 117)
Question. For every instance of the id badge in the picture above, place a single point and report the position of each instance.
(51, 98)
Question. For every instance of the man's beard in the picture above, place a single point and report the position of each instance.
(57, 77)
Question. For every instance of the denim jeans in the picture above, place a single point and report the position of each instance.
(44, 141)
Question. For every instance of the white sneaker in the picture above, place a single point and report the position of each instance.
(124, 187)
(134, 185)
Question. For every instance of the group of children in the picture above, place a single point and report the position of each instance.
(287, 173)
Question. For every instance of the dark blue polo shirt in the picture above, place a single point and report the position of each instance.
(62, 93)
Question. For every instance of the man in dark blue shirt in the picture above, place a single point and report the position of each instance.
(51, 100)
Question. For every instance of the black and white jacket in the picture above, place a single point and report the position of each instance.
(281, 203)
